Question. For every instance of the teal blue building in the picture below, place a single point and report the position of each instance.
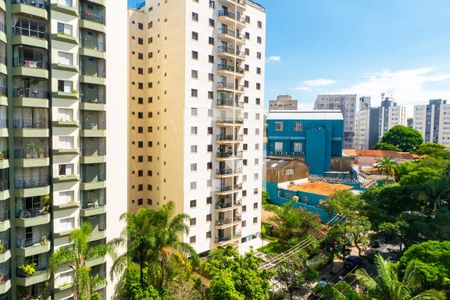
(316, 136)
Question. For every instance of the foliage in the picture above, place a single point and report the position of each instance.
(407, 139)
(274, 247)
(238, 274)
(28, 269)
(291, 221)
(429, 149)
(433, 260)
(131, 287)
(388, 285)
(265, 198)
(387, 166)
(386, 146)
(339, 291)
(154, 245)
(293, 272)
(76, 256)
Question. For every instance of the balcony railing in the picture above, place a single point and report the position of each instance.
(4, 215)
(30, 93)
(227, 171)
(31, 212)
(227, 154)
(30, 123)
(221, 205)
(31, 182)
(225, 119)
(230, 86)
(229, 137)
(22, 274)
(36, 3)
(92, 16)
(229, 102)
(225, 221)
(40, 152)
(230, 50)
(5, 276)
(4, 184)
(100, 72)
(284, 153)
(28, 242)
(29, 63)
(92, 43)
(100, 99)
(30, 32)
(222, 239)
(3, 91)
(237, 17)
(93, 204)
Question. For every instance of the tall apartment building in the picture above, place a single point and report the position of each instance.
(366, 127)
(62, 98)
(433, 121)
(283, 102)
(391, 114)
(347, 105)
(196, 110)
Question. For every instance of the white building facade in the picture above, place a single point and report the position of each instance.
(391, 114)
(433, 121)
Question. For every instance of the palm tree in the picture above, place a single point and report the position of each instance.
(153, 238)
(76, 256)
(437, 190)
(388, 286)
(387, 166)
(139, 237)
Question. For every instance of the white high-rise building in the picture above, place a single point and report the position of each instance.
(366, 128)
(196, 111)
(347, 105)
(391, 114)
(433, 121)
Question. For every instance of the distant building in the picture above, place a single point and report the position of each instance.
(410, 122)
(283, 102)
(433, 121)
(367, 128)
(391, 114)
(347, 105)
(316, 136)
(364, 102)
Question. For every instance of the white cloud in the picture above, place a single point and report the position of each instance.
(319, 82)
(274, 58)
(408, 86)
(302, 88)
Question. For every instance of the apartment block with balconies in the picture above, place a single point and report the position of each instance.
(54, 82)
(196, 116)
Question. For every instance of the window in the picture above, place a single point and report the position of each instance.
(65, 58)
(66, 197)
(194, 74)
(211, 22)
(65, 3)
(140, 41)
(298, 126)
(211, 40)
(194, 93)
(193, 130)
(194, 55)
(140, 26)
(259, 40)
(208, 200)
(67, 224)
(66, 142)
(298, 147)
(193, 221)
(258, 55)
(208, 218)
(259, 24)
(208, 234)
(65, 29)
(193, 185)
(255, 205)
(192, 239)
(255, 220)
(193, 203)
(278, 146)
(195, 36)
(194, 112)
(193, 148)
(278, 126)
(65, 114)
(65, 86)
(65, 169)
(193, 167)
(195, 17)
(65, 278)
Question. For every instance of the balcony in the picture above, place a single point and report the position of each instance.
(228, 189)
(31, 97)
(5, 282)
(93, 71)
(29, 186)
(31, 37)
(98, 227)
(33, 245)
(94, 124)
(228, 103)
(5, 253)
(229, 138)
(227, 172)
(230, 69)
(31, 128)
(93, 176)
(93, 97)
(230, 52)
(93, 150)
(92, 44)
(36, 8)
(222, 240)
(93, 19)
(32, 216)
(239, 3)
(228, 154)
(230, 87)
(32, 155)
(228, 17)
(41, 275)
(4, 220)
(231, 35)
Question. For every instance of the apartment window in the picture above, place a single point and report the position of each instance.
(244, 208)
(65, 29)
(66, 142)
(192, 239)
(65, 3)
(194, 55)
(194, 93)
(208, 200)
(140, 26)
(246, 67)
(67, 224)
(258, 101)
(65, 114)
(210, 95)
(258, 55)
(66, 197)
(211, 59)
(194, 112)
(255, 220)
(194, 74)
(209, 165)
(278, 126)
(298, 147)
(150, 25)
(259, 40)
(259, 24)
(193, 203)
(195, 36)
(246, 83)
(65, 169)
(278, 146)
(193, 221)
(65, 278)
(140, 56)
(258, 86)
(210, 77)
(195, 17)
(247, 51)
(244, 223)
(140, 41)
(211, 40)
(258, 70)
(298, 126)
(247, 19)
(210, 130)
(140, 71)
(193, 167)
(255, 205)
(140, 201)
(193, 185)
(65, 86)
(245, 99)
(208, 218)
(193, 148)
(208, 234)
(65, 58)
(212, 4)
(247, 35)
(211, 22)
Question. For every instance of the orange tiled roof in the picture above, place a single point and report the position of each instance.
(320, 188)
(380, 153)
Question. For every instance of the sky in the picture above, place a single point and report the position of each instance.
(364, 47)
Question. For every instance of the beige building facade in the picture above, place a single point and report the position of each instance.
(196, 115)
(283, 102)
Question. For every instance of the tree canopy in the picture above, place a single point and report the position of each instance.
(405, 138)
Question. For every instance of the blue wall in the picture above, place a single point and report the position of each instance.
(321, 140)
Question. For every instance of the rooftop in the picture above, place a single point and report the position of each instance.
(380, 153)
(320, 188)
(305, 115)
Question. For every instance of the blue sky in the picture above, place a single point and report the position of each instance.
(401, 47)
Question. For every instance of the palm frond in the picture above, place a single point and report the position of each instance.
(366, 280)
(63, 256)
(430, 295)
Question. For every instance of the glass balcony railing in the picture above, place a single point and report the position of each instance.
(223, 239)
(230, 86)
(230, 50)
(36, 3)
(231, 33)
(235, 16)
(92, 43)
(4, 214)
(30, 93)
(3, 91)
(31, 212)
(92, 16)
(4, 184)
(30, 123)
(32, 241)
(229, 137)
(30, 32)
(31, 182)
(30, 63)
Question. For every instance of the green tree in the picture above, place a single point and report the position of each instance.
(407, 139)
(433, 260)
(223, 288)
(388, 166)
(76, 256)
(388, 286)
(386, 146)
(339, 291)
(250, 282)
(437, 191)
(430, 149)
(132, 288)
